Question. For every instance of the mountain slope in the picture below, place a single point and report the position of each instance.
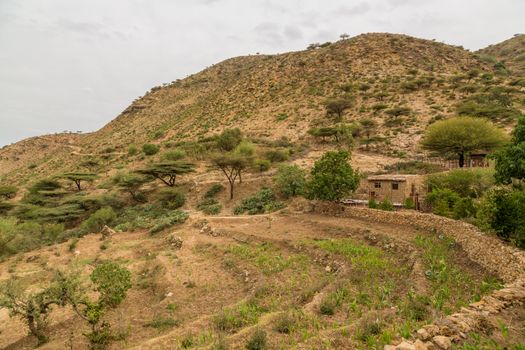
(401, 82)
(510, 52)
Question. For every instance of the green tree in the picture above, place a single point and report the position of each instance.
(290, 180)
(32, 308)
(332, 177)
(78, 178)
(111, 282)
(232, 166)
(336, 107)
(510, 161)
(132, 184)
(229, 139)
(167, 172)
(368, 126)
(461, 136)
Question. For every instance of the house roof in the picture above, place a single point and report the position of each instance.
(391, 177)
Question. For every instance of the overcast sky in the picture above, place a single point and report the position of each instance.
(76, 64)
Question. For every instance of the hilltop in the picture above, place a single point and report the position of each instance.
(510, 52)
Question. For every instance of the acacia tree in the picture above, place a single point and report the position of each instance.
(368, 125)
(231, 165)
(132, 183)
(510, 161)
(336, 107)
(78, 178)
(167, 172)
(462, 135)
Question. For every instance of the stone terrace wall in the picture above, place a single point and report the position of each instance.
(505, 261)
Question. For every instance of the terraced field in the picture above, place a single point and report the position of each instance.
(301, 281)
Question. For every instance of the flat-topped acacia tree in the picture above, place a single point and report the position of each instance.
(462, 135)
(78, 178)
(168, 171)
(231, 165)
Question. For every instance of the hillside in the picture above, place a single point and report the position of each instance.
(401, 82)
(510, 52)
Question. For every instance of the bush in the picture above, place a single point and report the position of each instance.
(132, 150)
(209, 206)
(327, 307)
(150, 149)
(176, 154)
(262, 202)
(284, 323)
(229, 139)
(262, 165)
(173, 218)
(465, 182)
(442, 201)
(409, 203)
(372, 203)
(8, 192)
(501, 210)
(97, 220)
(386, 204)
(257, 341)
(290, 180)
(172, 198)
(276, 155)
(214, 190)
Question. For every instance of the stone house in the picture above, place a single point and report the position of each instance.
(396, 188)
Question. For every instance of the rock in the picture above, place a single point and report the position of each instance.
(423, 334)
(419, 345)
(175, 241)
(389, 347)
(169, 294)
(405, 345)
(77, 252)
(442, 342)
(106, 232)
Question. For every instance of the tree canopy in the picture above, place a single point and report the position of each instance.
(78, 178)
(168, 171)
(510, 161)
(336, 107)
(462, 135)
(231, 166)
(332, 177)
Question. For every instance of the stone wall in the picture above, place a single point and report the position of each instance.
(506, 262)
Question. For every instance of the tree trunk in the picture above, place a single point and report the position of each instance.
(77, 182)
(462, 159)
(231, 189)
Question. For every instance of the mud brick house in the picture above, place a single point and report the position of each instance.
(396, 188)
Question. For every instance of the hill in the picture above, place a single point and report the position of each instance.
(510, 52)
(401, 82)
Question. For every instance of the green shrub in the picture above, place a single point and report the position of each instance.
(372, 203)
(464, 208)
(176, 154)
(97, 220)
(409, 203)
(262, 202)
(262, 165)
(132, 150)
(229, 139)
(150, 149)
(284, 323)
(214, 190)
(465, 182)
(386, 204)
(8, 192)
(164, 222)
(290, 180)
(209, 206)
(327, 306)
(442, 201)
(501, 210)
(257, 341)
(172, 198)
(276, 155)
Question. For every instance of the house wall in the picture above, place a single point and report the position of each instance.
(395, 195)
